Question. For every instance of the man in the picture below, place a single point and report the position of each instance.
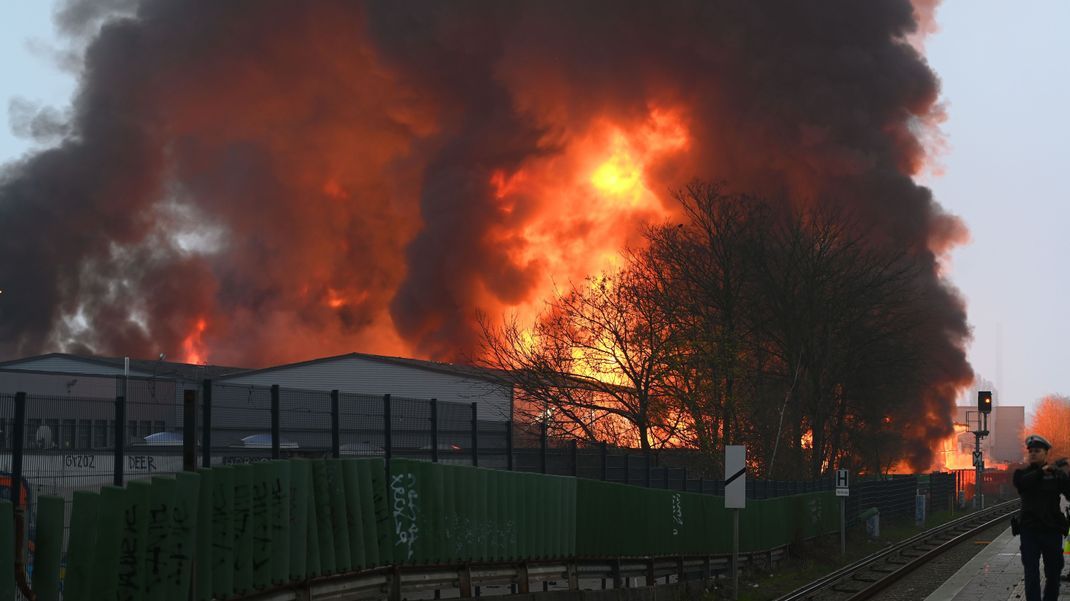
(1041, 521)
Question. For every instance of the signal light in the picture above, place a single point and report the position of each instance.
(984, 401)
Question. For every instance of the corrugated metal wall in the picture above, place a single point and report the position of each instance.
(363, 376)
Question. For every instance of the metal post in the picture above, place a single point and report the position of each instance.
(189, 430)
(735, 554)
(434, 430)
(336, 426)
(843, 526)
(120, 438)
(605, 461)
(388, 434)
(206, 424)
(509, 445)
(575, 458)
(627, 468)
(542, 449)
(17, 441)
(646, 456)
(475, 435)
(978, 502)
(275, 446)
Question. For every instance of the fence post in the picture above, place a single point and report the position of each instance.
(275, 430)
(627, 467)
(646, 456)
(388, 434)
(189, 430)
(475, 435)
(206, 424)
(542, 449)
(684, 487)
(120, 438)
(434, 430)
(17, 441)
(575, 458)
(605, 461)
(509, 445)
(336, 426)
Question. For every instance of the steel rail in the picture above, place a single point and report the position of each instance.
(989, 517)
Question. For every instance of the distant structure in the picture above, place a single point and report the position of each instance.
(1005, 427)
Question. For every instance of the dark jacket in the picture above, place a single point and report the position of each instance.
(1040, 492)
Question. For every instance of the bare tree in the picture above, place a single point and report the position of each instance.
(594, 359)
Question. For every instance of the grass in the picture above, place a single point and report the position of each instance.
(810, 560)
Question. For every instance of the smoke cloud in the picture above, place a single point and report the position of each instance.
(310, 178)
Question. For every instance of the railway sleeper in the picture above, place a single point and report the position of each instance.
(840, 589)
(884, 570)
(862, 578)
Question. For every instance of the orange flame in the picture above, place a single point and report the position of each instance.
(193, 345)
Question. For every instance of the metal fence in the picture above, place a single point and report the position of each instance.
(82, 442)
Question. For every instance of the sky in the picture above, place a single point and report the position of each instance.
(1005, 85)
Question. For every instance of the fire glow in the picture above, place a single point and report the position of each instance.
(378, 176)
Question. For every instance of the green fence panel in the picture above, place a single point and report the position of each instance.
(494, 517)
(243, 528)
(569, 526)
(49, 547)
(204, 560)
(324, 519)
(222, 521)
(299, 492)
(427, 519)
(404, 500)
(507, 513)
(339, 515)
(368, 522)
(480, 518)
(450, 520)
(157, 533)
(384, 521)
(132, 548)
(182, 536)
(108, 538)
(263, 534)
(280, 521)
(7, 551)
(526, 512)
(354, 521)
(315, 559)
(473, 514)
(81, 548)
(436, 510)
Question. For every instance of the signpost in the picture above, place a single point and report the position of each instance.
(735, 498)
(843, 490)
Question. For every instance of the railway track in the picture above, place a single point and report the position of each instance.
(868, 576)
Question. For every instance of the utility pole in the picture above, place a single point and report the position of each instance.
(984, 407)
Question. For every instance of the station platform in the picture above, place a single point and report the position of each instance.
(994, 574)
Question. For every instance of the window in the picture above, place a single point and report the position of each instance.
(100, 434)
(85, 434)
(146, 429)
(29, 435)
(131, 430)
(66, 440)
(49, 437)
(158, 427)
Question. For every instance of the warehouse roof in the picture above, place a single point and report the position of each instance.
(454, 369)
(157, 368)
